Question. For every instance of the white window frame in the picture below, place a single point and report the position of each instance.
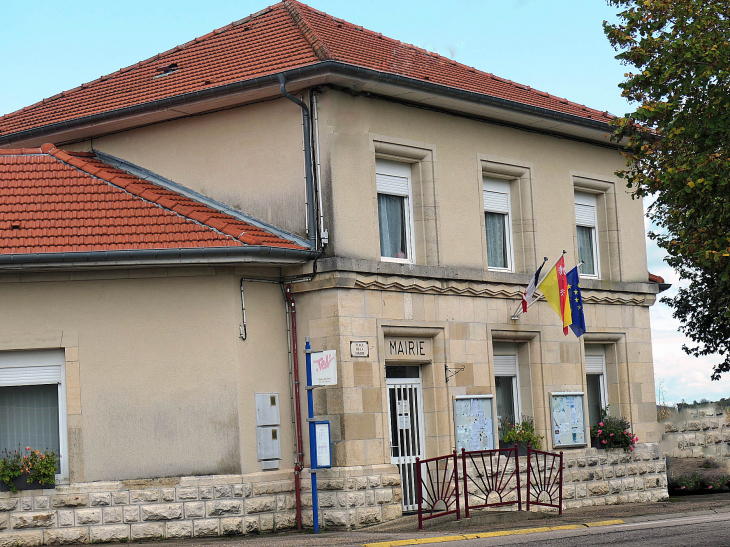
(40, 367)
(595, 363)
(387, 169)
(508, 365)
(585, 219)
(492, 186)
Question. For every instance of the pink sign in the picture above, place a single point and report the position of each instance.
(324, 368)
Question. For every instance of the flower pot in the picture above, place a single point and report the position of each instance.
(596, 443)
(21, 483)
(521, 447)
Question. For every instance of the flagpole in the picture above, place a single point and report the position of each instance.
(516, 314)
(518, 311)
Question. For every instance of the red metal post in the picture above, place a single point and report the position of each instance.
(456, 485)
(519, 486)
(466, 486)
(419, 495)
(299, 464)
(529, 476)
(560, 506)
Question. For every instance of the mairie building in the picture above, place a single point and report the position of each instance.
(173, 233)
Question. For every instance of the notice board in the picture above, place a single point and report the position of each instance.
(567, 413)
(474, 422)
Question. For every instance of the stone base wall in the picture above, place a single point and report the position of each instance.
(697, 433)
(210, 506)
(601, 477)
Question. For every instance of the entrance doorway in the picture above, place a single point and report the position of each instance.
(405, 412)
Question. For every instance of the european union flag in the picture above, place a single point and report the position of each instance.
(576, 302)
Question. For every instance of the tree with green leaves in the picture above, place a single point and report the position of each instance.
(677, 145)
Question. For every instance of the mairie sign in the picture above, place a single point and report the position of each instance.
(404, 349)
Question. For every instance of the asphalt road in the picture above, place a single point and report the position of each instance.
(712, 530)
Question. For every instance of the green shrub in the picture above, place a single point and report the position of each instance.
(38, 466)
(522, 432)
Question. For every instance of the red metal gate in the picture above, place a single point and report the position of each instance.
(491, 474)
(437, 483)
(544, 479)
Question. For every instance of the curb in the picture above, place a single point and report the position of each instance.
(479, 535)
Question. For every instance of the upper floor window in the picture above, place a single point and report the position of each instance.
(587, 230)
(395, 210)
(498, 224)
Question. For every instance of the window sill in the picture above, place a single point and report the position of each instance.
(395, 260)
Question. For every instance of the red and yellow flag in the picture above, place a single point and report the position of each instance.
(554, 286)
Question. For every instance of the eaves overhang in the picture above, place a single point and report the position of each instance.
(356, 78)
(207, 256)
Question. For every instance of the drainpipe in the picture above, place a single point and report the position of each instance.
(299, 464)
(307, 161)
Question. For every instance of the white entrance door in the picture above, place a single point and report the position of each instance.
(405, 404)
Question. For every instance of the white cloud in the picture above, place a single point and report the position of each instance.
(685, 377)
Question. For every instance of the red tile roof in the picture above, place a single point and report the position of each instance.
(284, 36)
(52, 201)
(655, 278)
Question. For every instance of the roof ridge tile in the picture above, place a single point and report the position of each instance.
(318, 46)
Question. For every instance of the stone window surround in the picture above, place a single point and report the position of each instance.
(72, 468)
(528, 345)
(519, 175)
(617, 365)
(422, 158)
(608, 233)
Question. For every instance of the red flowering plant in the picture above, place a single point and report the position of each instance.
(39, 466)
(614, 432)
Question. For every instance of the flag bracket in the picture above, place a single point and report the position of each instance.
(450, 372)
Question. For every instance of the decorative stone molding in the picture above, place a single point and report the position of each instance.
(206, 506)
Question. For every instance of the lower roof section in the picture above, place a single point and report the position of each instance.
(64, 209)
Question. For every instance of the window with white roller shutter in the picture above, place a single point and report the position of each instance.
(498, 223)
(33, 401)
(506, 381)
(395, 211)
(596, 396)
(586, 221)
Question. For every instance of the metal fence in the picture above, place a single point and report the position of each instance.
(545, 479)
(437, 482)
(491, 478)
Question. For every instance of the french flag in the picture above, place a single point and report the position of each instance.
(529, 295)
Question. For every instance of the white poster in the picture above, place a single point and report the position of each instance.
(473, 423)
(322, 440)
(568, 419)
(324, 368)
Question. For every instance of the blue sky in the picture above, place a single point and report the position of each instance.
(558, 47)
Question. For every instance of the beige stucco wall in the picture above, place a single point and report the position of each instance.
(249, 158)
(348, 126)
(164, 383)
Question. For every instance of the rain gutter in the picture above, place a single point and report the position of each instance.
(306, 72)
(157, 257)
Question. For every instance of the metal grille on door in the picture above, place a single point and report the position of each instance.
(406, 434)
